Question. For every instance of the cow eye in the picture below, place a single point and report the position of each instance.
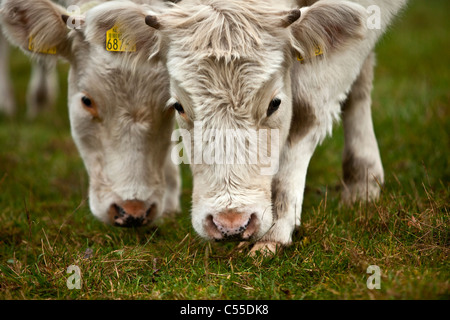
(86, 101)
(177, 106)
(90, 106)
(273, 106)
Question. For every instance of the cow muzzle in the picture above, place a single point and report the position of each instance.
(132, 213)
(231, 225)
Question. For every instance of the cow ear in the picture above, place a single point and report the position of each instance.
(327, 26)
(35, 26)
(125, 21)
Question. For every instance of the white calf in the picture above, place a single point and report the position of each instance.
(263, 66)
(117, 117)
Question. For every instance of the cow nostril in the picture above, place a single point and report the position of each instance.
(212, 229)
(251, 227)
(119, 210)
(119, 216)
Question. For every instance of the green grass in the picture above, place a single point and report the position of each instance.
(46, 226)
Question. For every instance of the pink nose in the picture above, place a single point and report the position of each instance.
(131, 213)
(230, 225)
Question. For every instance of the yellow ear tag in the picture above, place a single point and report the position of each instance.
(317, 52)
(32, 48)
(300, 57)
(115, 42)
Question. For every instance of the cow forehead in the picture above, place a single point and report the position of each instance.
(223, 52)
(211, 82)
(225, 28)
(117, 89)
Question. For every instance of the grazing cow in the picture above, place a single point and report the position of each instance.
(42, 88)
(118, 120)
(255, 65)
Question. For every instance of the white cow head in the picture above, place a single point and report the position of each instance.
(118, 118)
(230, 66)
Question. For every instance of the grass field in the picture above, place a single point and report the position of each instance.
(46, 225)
